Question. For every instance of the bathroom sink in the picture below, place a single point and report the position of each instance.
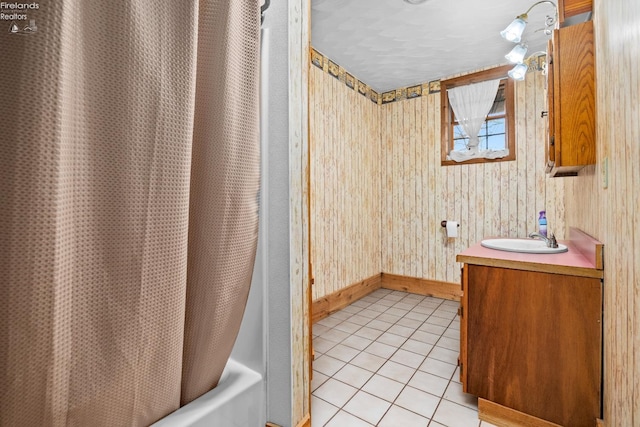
(528, 246)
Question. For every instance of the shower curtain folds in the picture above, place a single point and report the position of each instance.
(129, 169)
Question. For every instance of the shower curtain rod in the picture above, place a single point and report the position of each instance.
(263, 9)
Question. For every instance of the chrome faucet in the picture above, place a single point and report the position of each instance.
(551, 241)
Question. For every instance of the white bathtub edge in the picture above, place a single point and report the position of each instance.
(240, 387)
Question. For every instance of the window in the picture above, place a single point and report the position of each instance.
(498, 130)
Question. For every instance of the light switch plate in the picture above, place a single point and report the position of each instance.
(605, 172)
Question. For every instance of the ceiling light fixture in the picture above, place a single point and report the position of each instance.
(520, 70)
(513, 32)
(415, 1)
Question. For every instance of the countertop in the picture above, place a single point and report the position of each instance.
(573, 262)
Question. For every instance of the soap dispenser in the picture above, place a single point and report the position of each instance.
(542, 223)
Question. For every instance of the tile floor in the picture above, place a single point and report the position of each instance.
(389, 360)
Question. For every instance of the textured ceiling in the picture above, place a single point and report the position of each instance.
(389, 44)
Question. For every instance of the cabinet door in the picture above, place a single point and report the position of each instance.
(550, 134)
(463, 330)
(534, 342)
(574, 97)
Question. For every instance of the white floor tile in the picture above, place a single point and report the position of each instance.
(425, 337)
(397, 311)
(334, 335)
(396, 371)
(319, 329)
(404, 305)
(321, 411)
(351, 309)
(418, 401)
(359, 320)
(408, 358)
(379, 325)
(322, 345)
(367, 407)
(368, 313)
(380, 308)
(327, 365)
(400, 417)
(403, 331)
(345, 419)
(347, 327)
(340, 315)
(384, 388)
(429, 383)
(386, 303)
(335, 392)
(408, 322)
(452, 333)
(389, 318)
(318, 379)
(449, 343)
(421, 317)
(356, 342)
(370, 362)
(342, 352)
(423, 309)
(380, 349)
(417, 346)
(360, 303)
(353, 375)
(445, 314)
(391, 339)
(453, 415)
(437, 367)
(434, 320)
(433, 329)
(369, 333)
(328, 322)
(455, 394)
(444, 355)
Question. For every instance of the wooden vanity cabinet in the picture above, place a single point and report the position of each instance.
(571, 142)
(531, 342)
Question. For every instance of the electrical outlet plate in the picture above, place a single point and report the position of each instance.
(605, 172)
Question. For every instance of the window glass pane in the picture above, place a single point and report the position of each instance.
(495, 126)
(460, 144)
(498, 106)
(458, 132)
(496, 142)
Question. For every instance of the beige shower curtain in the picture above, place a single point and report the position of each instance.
(128, 211)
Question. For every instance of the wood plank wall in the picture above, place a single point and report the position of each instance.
(345, 184)
(369, 217)
(612, 215)
(491, 199)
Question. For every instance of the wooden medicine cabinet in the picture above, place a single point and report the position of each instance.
(571, 115)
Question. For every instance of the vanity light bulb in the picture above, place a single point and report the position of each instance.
(518, 72)
(516, 56)
(513, 32)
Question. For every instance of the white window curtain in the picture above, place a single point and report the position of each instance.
(471, 104)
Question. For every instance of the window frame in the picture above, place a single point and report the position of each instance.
(446, 119)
